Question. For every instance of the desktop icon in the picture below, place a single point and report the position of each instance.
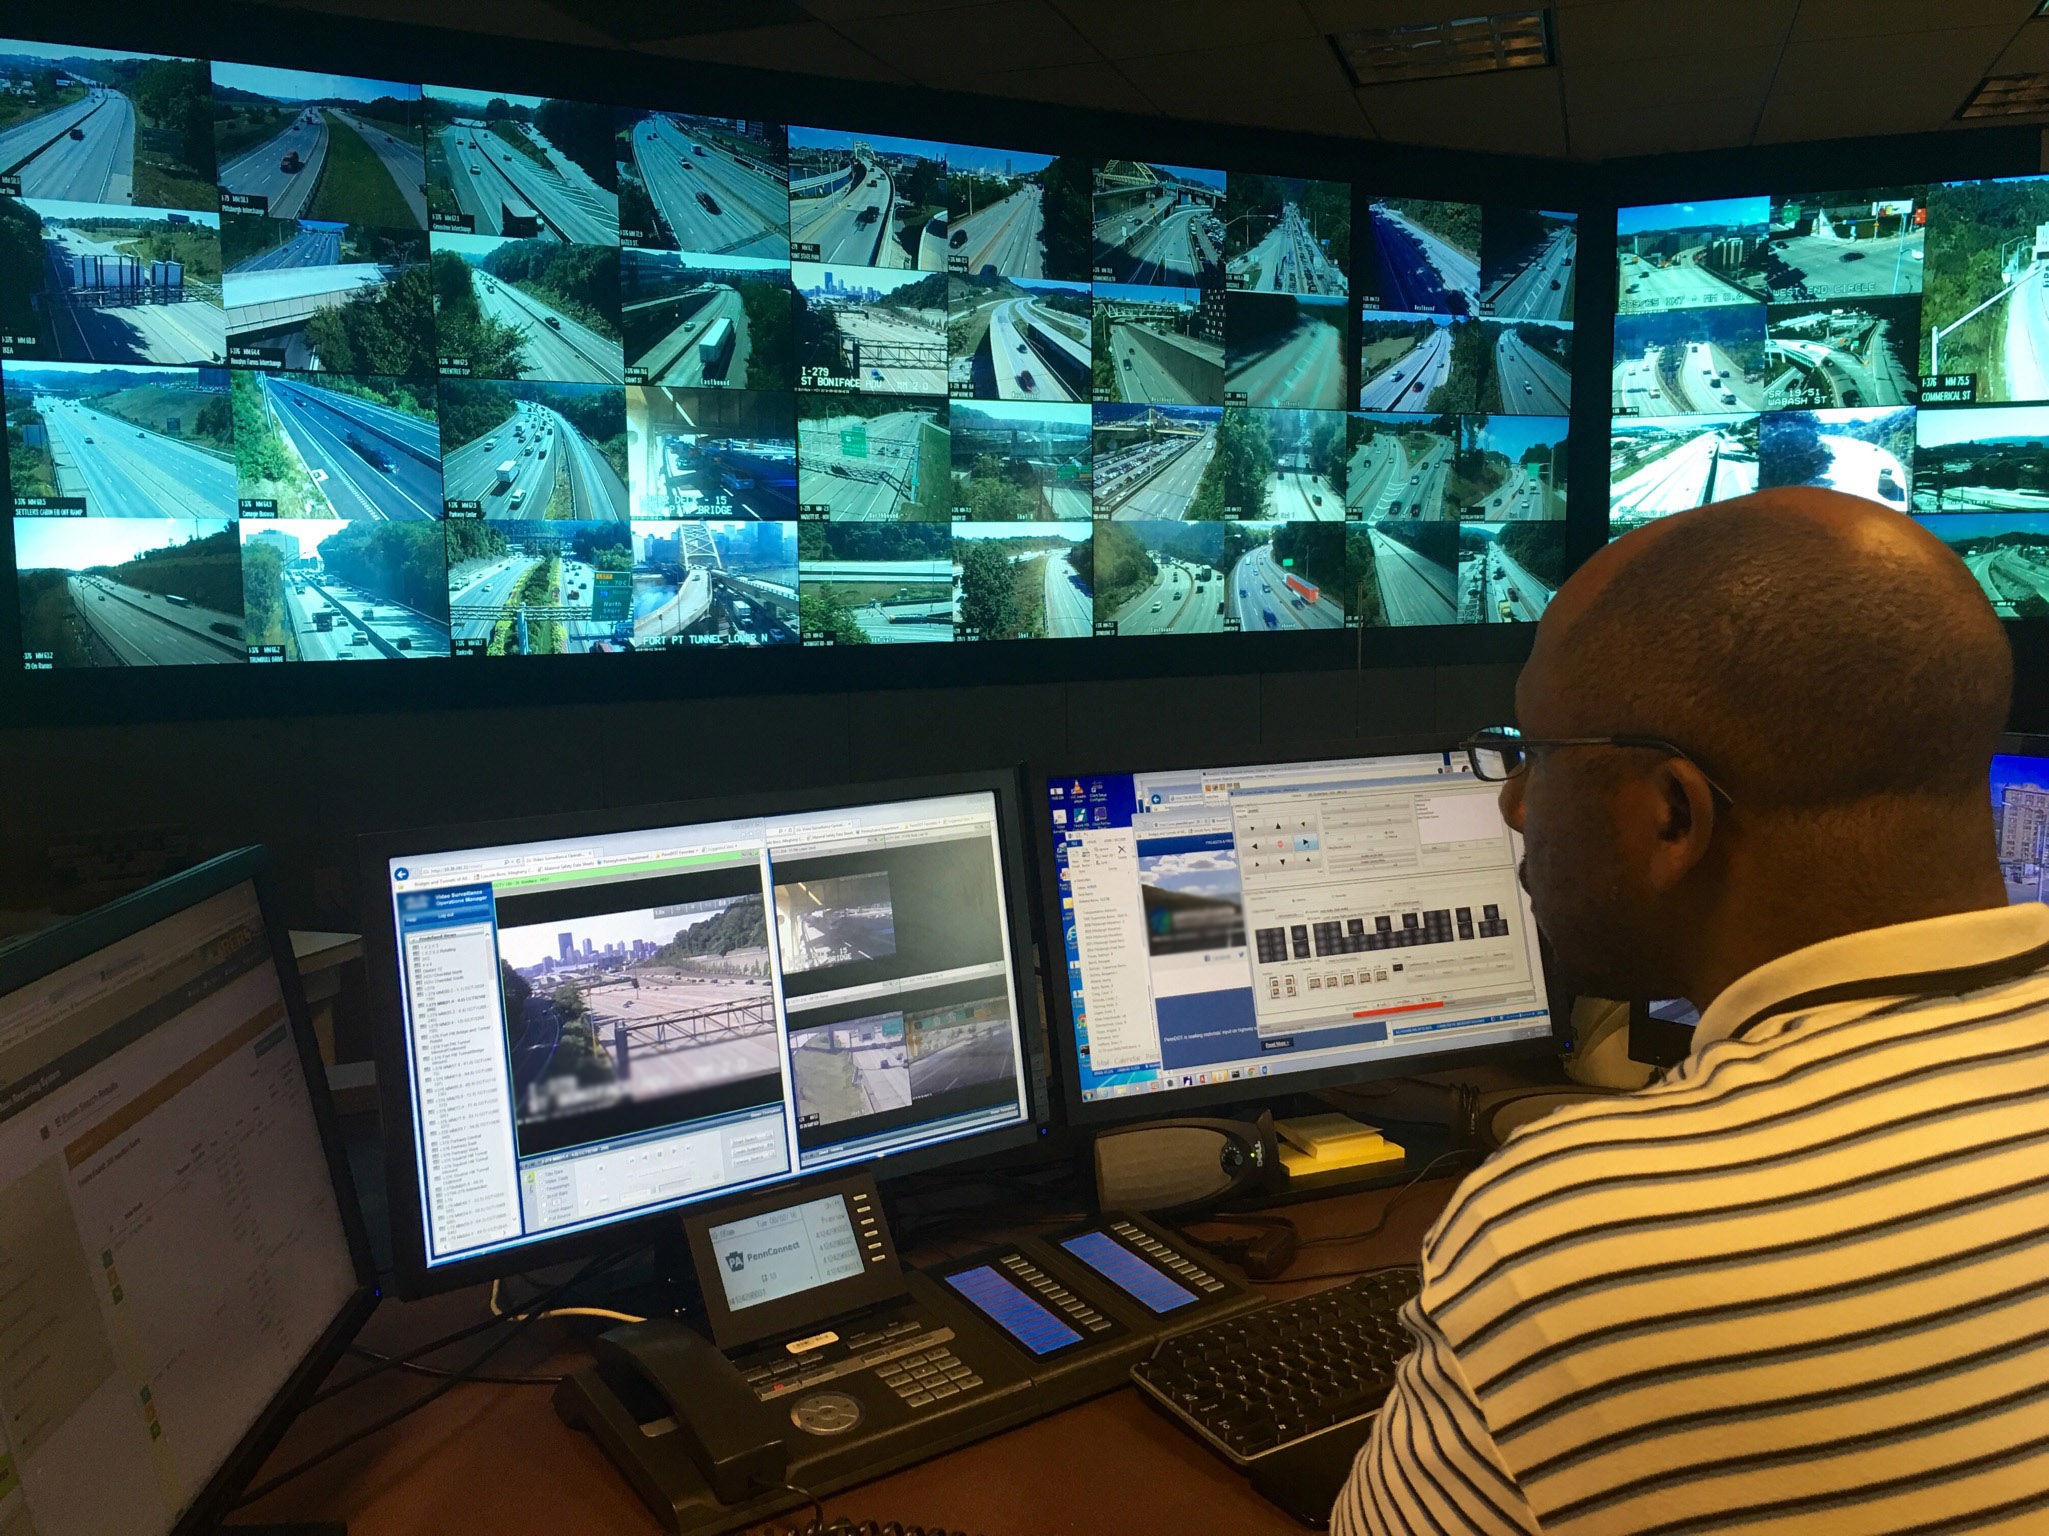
(1059, 815)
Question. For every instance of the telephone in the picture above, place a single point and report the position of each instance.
(664, 1372)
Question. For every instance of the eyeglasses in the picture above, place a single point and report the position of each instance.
(1499, 753)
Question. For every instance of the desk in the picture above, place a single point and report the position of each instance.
(495, 1459)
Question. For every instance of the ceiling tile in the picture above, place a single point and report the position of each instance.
(1628, 29)
(1859, 18)
(1251, 71)
(861, 10)
(1900, 66)
(1335, 112)
(1799, 114)
(2029, 51)
(515, 18)
(1122, 29)
(1516, 110)
(962, 45)
(1624, 87)
(1605, 134)
(1095, 83)
(805, 48)
(1343, 15)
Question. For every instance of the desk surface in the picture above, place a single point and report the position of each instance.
(495, 1459)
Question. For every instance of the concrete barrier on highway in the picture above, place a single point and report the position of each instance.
(1194, 366)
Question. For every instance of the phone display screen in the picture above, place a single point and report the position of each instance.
(781, 1253)
(1010, 1309)
(1128, 1272)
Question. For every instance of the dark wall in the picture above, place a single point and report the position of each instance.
(308, 785)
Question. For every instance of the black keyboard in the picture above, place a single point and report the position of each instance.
(1261, 1382)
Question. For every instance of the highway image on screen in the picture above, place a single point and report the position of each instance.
(1284, 350)
(1838, 352)
(877, 584)
(333, 445)
(338, 298)
(1423, 257)
(1419, 363)
(1400, 573)
(1984, 314)
(128, 591)
(723, 582)
(706, 321)
(1696, 255)
(1697, 362)
(114, 441)
(849, 1070)
(323, 590)
(874, 459)
(1529, 368)
(1017, 214)
(539, 588)
(711, 453)
(1661, 465)
(1511, 469)
(1982, 460)
(870, 329)
(1018, 339)
(1157, 578)
(534, 451)
(1845, 245)
(1526, 263)
(960, 1048)
(90, 125)
(1866, 452)
(719, 185)
(823, 923)
(527, 309)
(1192, 900)
(1284, 234)
(1280, 466)
(292, 144)
(867, 200)
(1285, 576)
(2007, 552)
(1026, 582)
(1508, 571)
(1152, 461)
(635, 1007)
(1157, 224)
(1397, 466)
(1014, 462)
(499, 164)
(1158, 345)
(119, 285)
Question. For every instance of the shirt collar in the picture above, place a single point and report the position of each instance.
(1902, 949)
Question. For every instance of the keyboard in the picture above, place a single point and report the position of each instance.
(1260, 1384)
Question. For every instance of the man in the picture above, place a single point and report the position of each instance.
(1801, 1285)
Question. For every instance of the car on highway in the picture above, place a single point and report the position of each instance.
(369, 452)
(88, 439)
(1529, 388)
(78, 133)
(1851, 256)
(1888, 485)
(708, 203)
(518, 495)
(291, 161)
(1554, 282)
(958, 239)
(1272, 622)
(873, 373)
(552, 322)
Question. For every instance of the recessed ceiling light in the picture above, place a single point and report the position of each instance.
(1470, 45)
(2008, 96)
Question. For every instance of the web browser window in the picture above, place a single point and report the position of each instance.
(1235, 923)
(601, 1027)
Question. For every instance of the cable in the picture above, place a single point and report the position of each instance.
(1387, 1210)
(391, 1363)
(605, 1313)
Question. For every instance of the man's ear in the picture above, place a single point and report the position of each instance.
(1684, 812)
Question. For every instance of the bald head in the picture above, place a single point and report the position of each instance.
(1813, 649)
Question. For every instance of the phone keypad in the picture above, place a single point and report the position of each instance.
(928, 1376)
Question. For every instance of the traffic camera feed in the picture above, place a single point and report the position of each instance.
(447, 371)
(1889, 342)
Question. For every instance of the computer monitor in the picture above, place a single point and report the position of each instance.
(1239, 932)
(180, 1249)
(597, 1019)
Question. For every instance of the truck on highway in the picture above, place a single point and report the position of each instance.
(1307, 591)
(182, 602)
(324, 620)
(506, 472)
(516, 216)
(715, 347)
(867, 216)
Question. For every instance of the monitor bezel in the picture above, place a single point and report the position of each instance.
(413, 1275)
(1170, 1102)
(126, 916)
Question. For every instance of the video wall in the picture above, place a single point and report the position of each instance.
(301, 367)
(1890, 342)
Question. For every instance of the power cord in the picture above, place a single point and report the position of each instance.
(604, 1313)
(390, 1362)
(1379, 1224)
(843, 1525)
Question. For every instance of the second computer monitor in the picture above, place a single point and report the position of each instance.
(1233, 932)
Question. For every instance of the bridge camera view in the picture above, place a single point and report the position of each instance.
(709, 582)
(1020, 462)
(117, 285)
(292, 145)
(1017, 214)
(331, 445)
(874, 459)
(712, 453)
(1700, 255)
(1017, 339)
(719, 185)
(1157, 345)
(534, 451)
(1024, 582)
(2008, 553)
(1159, 224)
(539, 588)
(1422, 257)
(329, 297)
(1526, 263)
(120, 441)
(870, 329)
(877, 584)
(1283, 234)
(706, 321)
(1985, 460)
(328, 590)
(1419, 362)
(824, 923)
(1284, 350)
(867, 200)
(1841, 352)
(521, 166)
(636, 1010)
(128, 591)
(1151, 462)
(527, 309)
(90, 125)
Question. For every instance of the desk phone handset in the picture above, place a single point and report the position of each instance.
(726, 1431)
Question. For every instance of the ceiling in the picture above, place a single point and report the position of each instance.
(1632, 76)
